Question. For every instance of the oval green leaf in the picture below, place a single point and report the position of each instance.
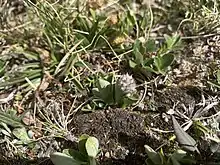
(60, 158)
(92, 146)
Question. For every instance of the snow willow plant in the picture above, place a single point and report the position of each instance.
(146, 57)
(120, 92)
(88, 149)
(179, 157)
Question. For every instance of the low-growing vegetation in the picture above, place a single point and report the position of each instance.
(110, 82)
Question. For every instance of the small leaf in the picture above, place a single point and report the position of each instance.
(149, 62)
(153, 156)
(132, 64)
(136, 50)
(166, 61)
(93, 30)
(2, 67)
(118, 94)
(92, 146)
(81, 145)
(105, 94)
(60, 158)
(139, 59)
(75, 155)
(185, 140)
(179, 155)
(102, 83)
(174, 161)
(93, 13)
(172, 41)
(21, 134)
(149, 162)
(218, 76)
(12, 112)
(162, 63)
(10, 118)
(157, 63)
(131, 16)
(150, 46)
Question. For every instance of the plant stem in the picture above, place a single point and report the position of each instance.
(92, 161)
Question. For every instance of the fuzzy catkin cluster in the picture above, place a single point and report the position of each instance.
(127, 84)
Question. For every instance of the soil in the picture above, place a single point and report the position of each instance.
(121, 134)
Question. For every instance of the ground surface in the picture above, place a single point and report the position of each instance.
(67, 69)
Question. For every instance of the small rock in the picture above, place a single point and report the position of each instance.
(107, 155)
(30, 134)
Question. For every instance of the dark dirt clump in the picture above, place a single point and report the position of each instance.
(121, 134)
(165, 99)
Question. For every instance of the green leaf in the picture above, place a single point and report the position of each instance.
(12, 112)
(81, 145)
(131, 17)
(150, 46)
(105, 94)
(149, 162)
(83, 24)
(139, 58)
(153, 156)
(185, 140)
(21, 134)
(93, 13)
(200, 127)
(178, 155)
(103, 83)
(62, 159)
(172, 41)
(166, 61)
(149, 62)
(162, 63)
(10, 118)
(2, 67)
(218, 76)
(95, 91)
(93, 30)
(92, 146)
(92, 161)
(105, 91)
(174, 161)
(162, 156)
(157, 63)
(136, 50)
(76, 155)
(132, 64)
(129, 100)
(118, 94)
